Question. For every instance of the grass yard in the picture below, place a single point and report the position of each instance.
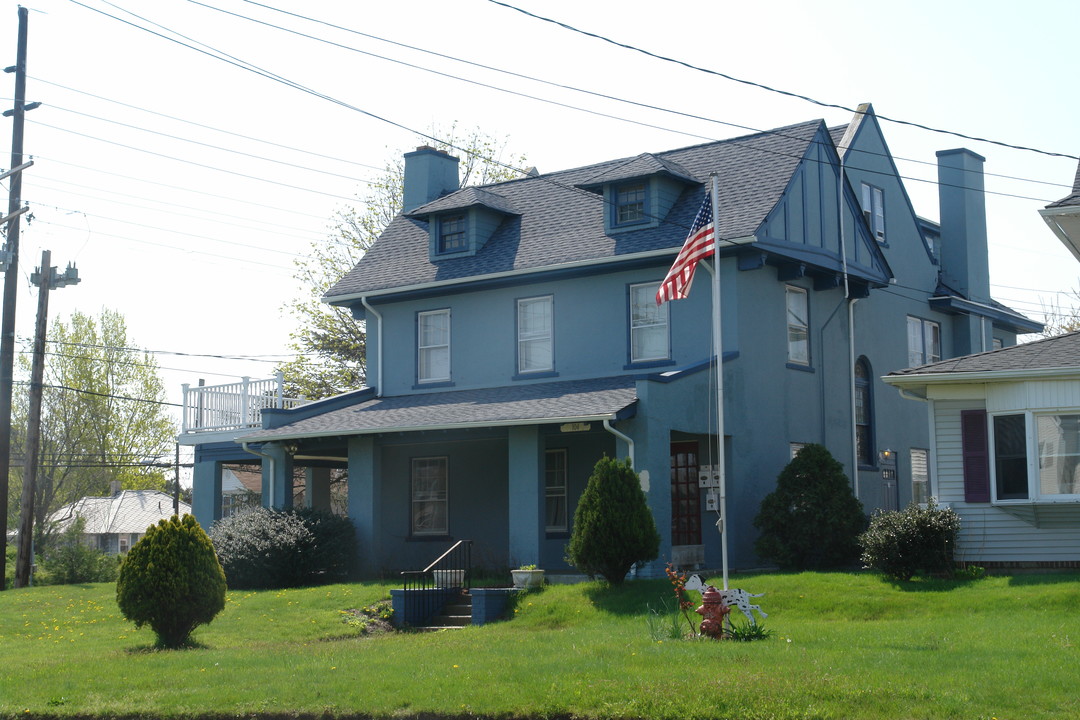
(843, 646)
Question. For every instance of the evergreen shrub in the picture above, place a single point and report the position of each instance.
(812, 520)
(171, 580)
(613, 526)
(903, 543)
(265, 548)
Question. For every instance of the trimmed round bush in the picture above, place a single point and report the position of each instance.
(613, 526)
(172, 581)
(903, 543)
(812, 519)
(266, 548)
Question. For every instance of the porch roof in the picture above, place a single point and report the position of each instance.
(524, 404)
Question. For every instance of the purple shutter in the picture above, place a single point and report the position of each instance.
(976, 456)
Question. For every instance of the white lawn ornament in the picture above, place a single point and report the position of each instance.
(736, 597)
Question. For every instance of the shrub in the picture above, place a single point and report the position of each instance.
(902, 543)
(172, 581)
(69, 561)
(265, 548)
(811, 520)
(613, 526)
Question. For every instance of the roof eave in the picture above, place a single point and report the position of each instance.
(960, 377)
(612, 416)
(1064, 221)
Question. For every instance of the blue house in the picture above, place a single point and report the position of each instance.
(513, 340)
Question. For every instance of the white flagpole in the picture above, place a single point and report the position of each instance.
(718, 351)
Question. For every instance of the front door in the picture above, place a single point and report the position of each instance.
(685, 496)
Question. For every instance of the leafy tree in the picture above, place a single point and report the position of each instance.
(330, 345)
(172, 581)
(102, 417)
(613, 526)
(69, 561)
(1058, 319)
(812, 519)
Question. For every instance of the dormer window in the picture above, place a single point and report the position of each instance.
(452, 236)
(630, 203)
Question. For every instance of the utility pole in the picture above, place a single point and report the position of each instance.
(7, 324)
(46, 278)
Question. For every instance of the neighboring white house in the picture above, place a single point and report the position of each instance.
(116, 522)
(1005, 449)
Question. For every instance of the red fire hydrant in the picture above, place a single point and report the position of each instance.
(712, 612)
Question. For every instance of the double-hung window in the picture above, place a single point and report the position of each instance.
(534, 335)
(798, 326)
(648, 324)
(429, 496)
(630, 203)
(873, 205)
(924, 341)
(433, 346)
(555, 491)
(452, 233)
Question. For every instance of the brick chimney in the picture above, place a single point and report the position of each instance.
(429, 174)
(965, 266)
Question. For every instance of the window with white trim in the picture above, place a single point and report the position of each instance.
(433, 346)
(648, 324)
(798, 325)
(429, 496)
(873, 206)
(920, 475)
(555, 474)
(1010, 457)
(1058, 439)
(534, 331)
(924, 341)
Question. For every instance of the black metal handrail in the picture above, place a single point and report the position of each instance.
(427, 591)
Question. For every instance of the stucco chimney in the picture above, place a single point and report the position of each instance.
(965, 266)
(429, 174)
(114, 487)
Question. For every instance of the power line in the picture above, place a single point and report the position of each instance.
(561, 86)
(207, 127)
(104, 395)
(775, 90)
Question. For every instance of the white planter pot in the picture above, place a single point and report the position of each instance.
(449, 578)
(528, 578)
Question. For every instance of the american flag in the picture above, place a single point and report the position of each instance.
(699, 244)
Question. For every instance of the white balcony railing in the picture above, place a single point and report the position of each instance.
(233, 406)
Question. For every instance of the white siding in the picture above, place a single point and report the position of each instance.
(1034, 395)
(988, 534)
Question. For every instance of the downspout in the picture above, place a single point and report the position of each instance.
(378, 341)
(851, 333)
(273, 467)
(625, 438)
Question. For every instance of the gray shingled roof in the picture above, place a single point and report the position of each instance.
(129, 511)
(560, 223)
(1074, 197)
(644, 165)
(466, 198)
(1062, 351)
(518, 404)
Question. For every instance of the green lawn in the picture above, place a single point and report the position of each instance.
(843, 646)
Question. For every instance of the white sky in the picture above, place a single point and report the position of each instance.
(194, 244)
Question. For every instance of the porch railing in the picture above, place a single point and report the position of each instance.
(233, 406)
(427, 591)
